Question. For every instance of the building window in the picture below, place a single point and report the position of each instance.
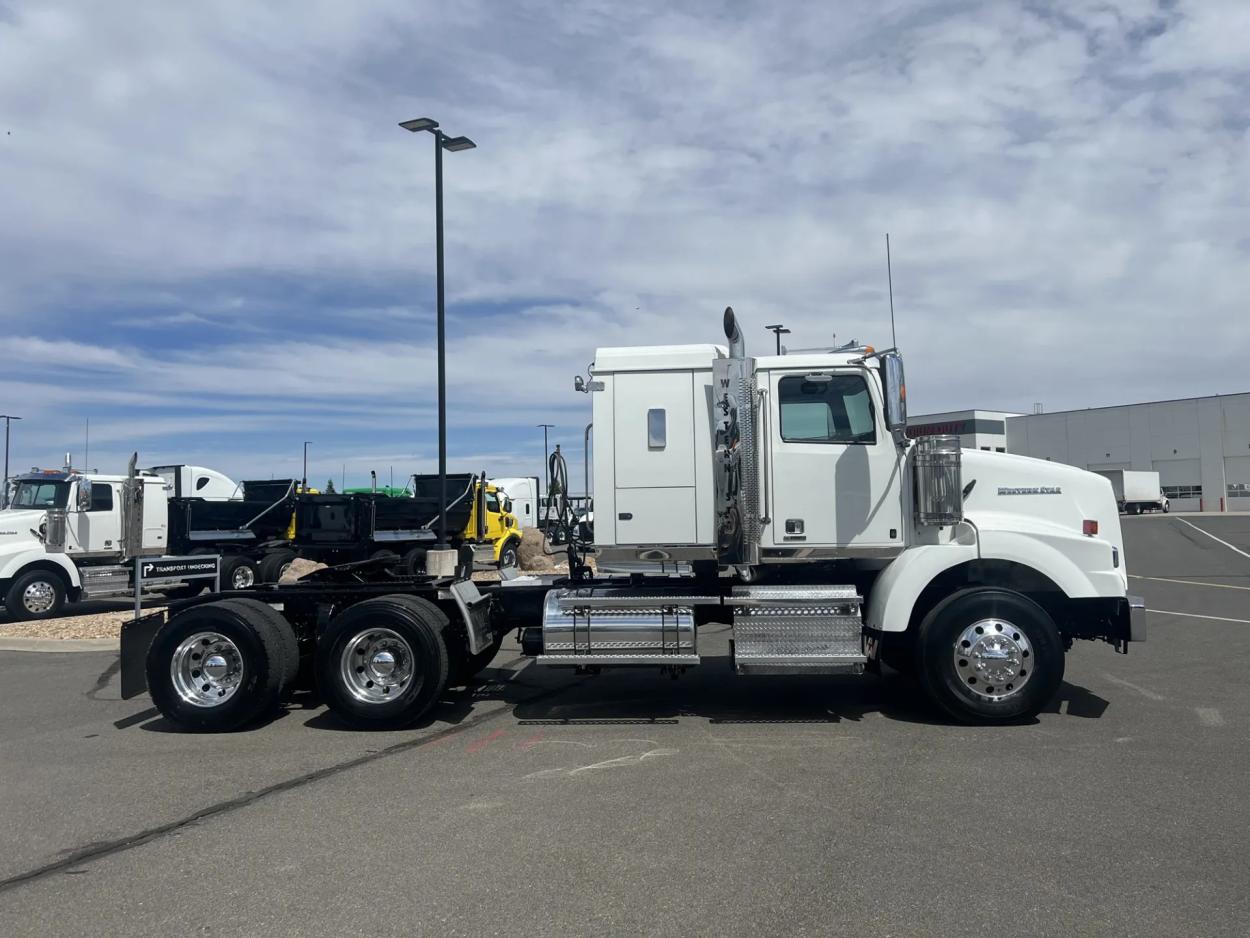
(1239, 489)
(1000, 449)
(986, 448)
(1182, 491)
(825, 409)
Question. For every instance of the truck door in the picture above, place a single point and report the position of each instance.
(833, 472)
(97, 529)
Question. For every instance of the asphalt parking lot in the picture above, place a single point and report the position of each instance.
(547, 803)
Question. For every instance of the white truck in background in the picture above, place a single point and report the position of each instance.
(70, 535)
(526, 494)
(1136, 491)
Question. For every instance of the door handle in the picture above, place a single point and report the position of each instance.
(625, 516)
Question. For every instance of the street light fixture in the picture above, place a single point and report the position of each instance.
(778, 330)
(453, 144)
(4, 499)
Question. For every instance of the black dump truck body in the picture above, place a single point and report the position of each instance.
(354, 526)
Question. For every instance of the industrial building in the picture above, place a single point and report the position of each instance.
(1200, 446)
(976, 429)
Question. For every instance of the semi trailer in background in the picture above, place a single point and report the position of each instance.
(1136, 491)
(777, 494)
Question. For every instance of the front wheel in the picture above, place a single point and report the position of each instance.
(510, 555)
(37, 594)
(990, 656)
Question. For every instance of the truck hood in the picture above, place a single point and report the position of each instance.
(1020, 493)
(17, 523)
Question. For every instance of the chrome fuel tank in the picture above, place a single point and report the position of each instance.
(615, 626)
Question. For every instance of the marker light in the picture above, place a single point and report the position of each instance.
(1089, 528)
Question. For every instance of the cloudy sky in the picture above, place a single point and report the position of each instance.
(215, 242)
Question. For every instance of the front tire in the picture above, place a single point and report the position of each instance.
(989, 656)
(216, 667)
(510, 554)
(383, 663)
(35, 595)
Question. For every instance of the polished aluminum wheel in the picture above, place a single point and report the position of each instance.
(39, 597)
(206, 669)
(243, 577)
(993, 658)
(376, 665)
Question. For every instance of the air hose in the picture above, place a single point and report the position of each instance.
(560, 520)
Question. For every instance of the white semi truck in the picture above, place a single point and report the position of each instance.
(69, 535)
(1136, 490)
(778, 494)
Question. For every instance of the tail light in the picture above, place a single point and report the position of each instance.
(1089, 528)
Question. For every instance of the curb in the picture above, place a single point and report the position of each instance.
(62, 645)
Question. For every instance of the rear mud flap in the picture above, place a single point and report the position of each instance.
(137, 638)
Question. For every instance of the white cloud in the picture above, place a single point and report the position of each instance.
(1066, 192)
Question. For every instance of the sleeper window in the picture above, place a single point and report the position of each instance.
(657, 430)
(826, 409)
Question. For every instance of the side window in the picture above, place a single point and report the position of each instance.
(101, 497)
(492, 502)
(826, 409)
(201, 482)
(657, 428)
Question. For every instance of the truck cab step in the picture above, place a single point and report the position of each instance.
(797, 629)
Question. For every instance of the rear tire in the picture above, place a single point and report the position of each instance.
(383, 663)
(989, 656)
(220, 665)
(237, 573)
(274, 564)
(413, 561)
(35, 595)
(466, 667)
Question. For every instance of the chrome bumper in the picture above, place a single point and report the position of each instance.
(1136, 619)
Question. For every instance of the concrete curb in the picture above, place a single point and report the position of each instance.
(62, 645)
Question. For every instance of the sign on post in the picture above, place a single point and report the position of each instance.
(158, 571)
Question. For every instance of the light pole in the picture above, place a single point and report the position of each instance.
(454, 144)
(546, 481)
(8, 418)
(304, 481)
(778, 330)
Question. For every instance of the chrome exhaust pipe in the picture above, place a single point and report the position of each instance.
(737, 345)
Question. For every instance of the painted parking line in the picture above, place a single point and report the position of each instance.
(1231, 547)
(1209, 716)
(1166, 579)
(1194, 615)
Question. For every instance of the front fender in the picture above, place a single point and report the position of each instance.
(14, 564)
(1080, 566)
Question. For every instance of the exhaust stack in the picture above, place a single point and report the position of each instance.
(737, 345)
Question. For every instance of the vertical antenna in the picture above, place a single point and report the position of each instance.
(86, 446)
(889, 273)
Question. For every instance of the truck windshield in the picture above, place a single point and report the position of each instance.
(40, 495)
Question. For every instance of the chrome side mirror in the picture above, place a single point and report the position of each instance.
(84, 494)
(895, 396)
